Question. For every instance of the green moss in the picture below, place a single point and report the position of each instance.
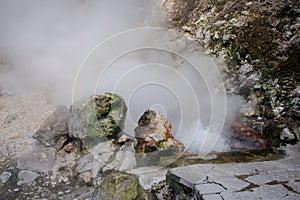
(122, 186)
(272, 132)
(227, 157)
(98, 116)
(231, 54)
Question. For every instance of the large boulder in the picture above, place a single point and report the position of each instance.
(120, 186)
(154, 133)
(54, 130)
(96, 117)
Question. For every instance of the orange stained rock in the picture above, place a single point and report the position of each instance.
(168, 130)
(69, 147)
(149, 142)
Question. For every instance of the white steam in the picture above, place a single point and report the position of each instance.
(45, 41)
(48, 43)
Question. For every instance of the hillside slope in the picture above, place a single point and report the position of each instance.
(260, 41)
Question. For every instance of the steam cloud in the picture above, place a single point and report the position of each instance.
(46, 43)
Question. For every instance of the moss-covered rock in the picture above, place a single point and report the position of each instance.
(97, 116)
(121, 186)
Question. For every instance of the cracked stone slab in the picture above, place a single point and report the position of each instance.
(274, 192)
(260, 179)
(227, 179)
(277, 179)
(230, 183)
(280, 176)
(209, 188)
(211, 197)
(290, 163)
(188, 175)
(228, 195)
(286, 175)
(295, 186)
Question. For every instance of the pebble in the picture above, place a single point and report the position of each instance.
(233, 21)
(5, 176)
(245, 12)
(286, 135)
(65, 179)
(26, 177)
(259, 118)
(67, 191)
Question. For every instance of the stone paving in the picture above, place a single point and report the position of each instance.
(278, 179)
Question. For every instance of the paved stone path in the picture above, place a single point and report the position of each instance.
(278, 179)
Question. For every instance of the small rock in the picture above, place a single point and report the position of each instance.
(247, 78)
(67, 191)
(5, 176)
(244, 70)
(86, 176)
(287, 136)
(85, 163)
(122, 140)
(26, 177)
(245, 12)
(216, 35)
(278, 110)
(233, 21)
(247, 111)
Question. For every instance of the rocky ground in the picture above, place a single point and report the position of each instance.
(40, 159)
(21, 116)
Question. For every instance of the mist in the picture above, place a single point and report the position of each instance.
(76, 48)
(45, 41)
